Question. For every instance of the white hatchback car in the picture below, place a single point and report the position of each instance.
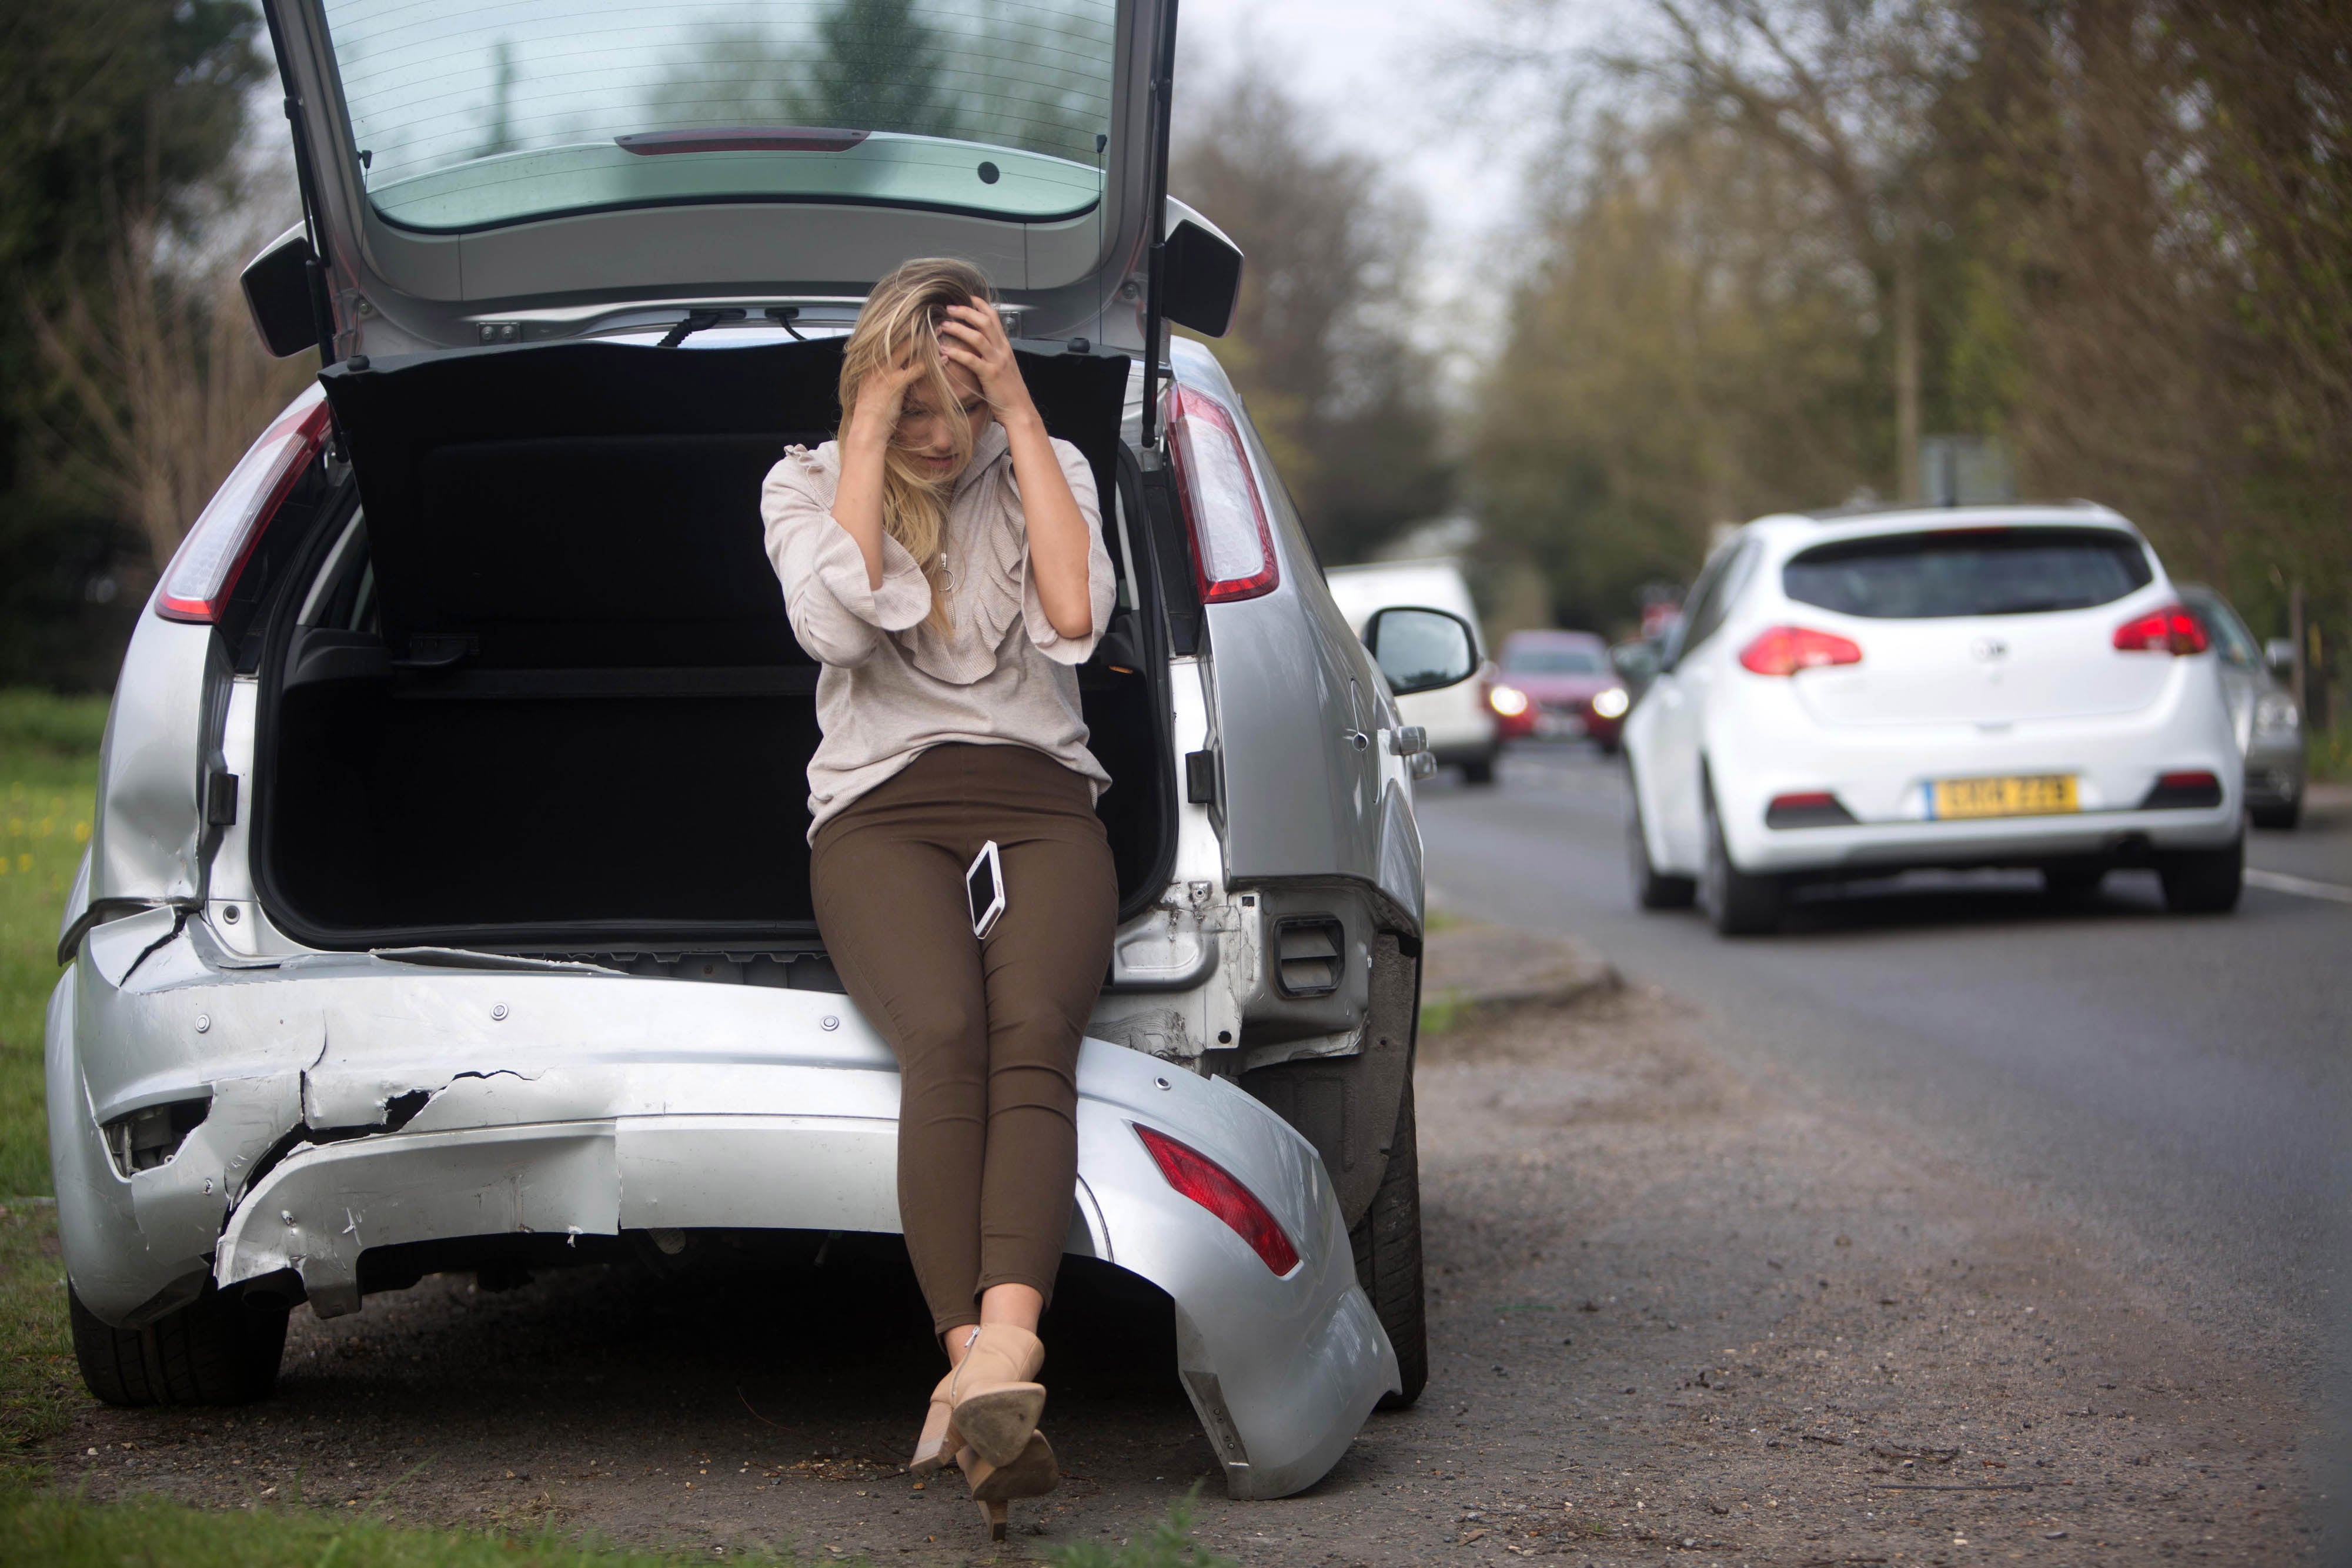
(1855, 695)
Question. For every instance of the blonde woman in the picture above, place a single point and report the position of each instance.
(942, 559)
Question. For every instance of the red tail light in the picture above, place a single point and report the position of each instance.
(2185, 791)
(2171, 630)
(1210, 1185)
(1232, 546)
(204, 572)
(1807, 809)
(1785, 649)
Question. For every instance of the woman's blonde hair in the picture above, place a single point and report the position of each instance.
(902, 316)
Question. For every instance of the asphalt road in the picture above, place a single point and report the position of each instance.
(2173, 1088)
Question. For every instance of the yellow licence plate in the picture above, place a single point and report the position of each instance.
(2030, 795)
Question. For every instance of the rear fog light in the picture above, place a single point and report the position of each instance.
(1812, 809)
(1214, 1188)
(2182, 792)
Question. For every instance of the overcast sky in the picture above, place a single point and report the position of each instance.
(1377, 72)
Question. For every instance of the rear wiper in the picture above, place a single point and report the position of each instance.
(2037, 607)
(696, 320)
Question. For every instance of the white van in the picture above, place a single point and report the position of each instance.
(1461, 730)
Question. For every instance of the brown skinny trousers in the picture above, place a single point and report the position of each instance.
(986, 1031)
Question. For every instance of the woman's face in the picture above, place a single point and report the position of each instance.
(927, 433)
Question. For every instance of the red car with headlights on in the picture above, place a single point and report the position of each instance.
(1558, 685)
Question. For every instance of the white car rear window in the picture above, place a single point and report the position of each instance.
(1923, 576)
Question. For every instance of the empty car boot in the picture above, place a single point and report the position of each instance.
(994, 1391)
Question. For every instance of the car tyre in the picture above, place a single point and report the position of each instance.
(220, 1349)
(2204, 881)
(1653, 889)
(2280, 818)
(1479, 770)
(1387, 1242)
(1740, 903)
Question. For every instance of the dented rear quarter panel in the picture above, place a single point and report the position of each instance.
(146, 843)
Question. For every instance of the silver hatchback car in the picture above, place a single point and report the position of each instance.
(447, 906)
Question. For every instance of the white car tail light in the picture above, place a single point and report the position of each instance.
(2170, 629)
(197, 583)
(1785, 649)
(1232, 546)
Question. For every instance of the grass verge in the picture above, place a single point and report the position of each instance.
(1445, 1011)
(2327, 753)
(68, 1532)
(39, 1388)
(48, 780)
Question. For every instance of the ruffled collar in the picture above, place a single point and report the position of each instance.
(986, 556)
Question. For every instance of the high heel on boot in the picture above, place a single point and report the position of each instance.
(995, 1486)
(994, 1394)
(935, 1449)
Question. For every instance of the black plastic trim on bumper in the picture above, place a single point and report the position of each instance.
(2182, 797)
(1831, 815)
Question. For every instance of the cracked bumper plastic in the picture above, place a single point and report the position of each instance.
(558, 1103)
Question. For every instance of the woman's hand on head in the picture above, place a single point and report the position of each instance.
(973, 335)
(882, 399)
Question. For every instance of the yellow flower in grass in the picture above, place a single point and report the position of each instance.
(16, 827)
(48, 825)
(81, 832)
(24, 862)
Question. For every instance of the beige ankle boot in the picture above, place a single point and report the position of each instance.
(995, 1486)
(935, 1449)
(994, 1392)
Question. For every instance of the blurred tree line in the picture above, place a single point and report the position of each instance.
(1785, 239)
(1014, 75)
(129, 376)
(1319, 347)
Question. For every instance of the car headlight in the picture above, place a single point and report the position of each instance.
(2275, 714)
(1509, 701)
(1611, 703)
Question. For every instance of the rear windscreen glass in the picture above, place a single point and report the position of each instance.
(470, 113)
(1970, 572)
(1553, 662)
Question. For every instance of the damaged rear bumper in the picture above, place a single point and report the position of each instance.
(352, 1104)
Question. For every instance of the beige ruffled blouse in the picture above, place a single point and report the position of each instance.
(893, 686)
